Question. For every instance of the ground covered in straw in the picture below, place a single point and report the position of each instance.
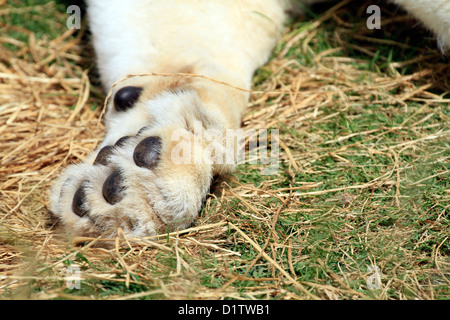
(362, 192)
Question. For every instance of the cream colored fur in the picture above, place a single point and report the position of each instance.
(222, 39)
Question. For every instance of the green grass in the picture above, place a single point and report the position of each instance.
(37, 16)
(384, 224)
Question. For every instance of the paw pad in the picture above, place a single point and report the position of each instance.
(79, 199)
(121, 141)
(102, 156)
(147, 152)
(113, 189)
(126, 97)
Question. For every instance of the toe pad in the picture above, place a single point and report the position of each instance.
(147, 152)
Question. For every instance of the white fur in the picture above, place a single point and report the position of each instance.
(138, 36)
(434, 14)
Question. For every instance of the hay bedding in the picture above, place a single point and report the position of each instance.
(47, 121)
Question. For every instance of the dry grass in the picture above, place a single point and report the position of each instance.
(363, 180)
